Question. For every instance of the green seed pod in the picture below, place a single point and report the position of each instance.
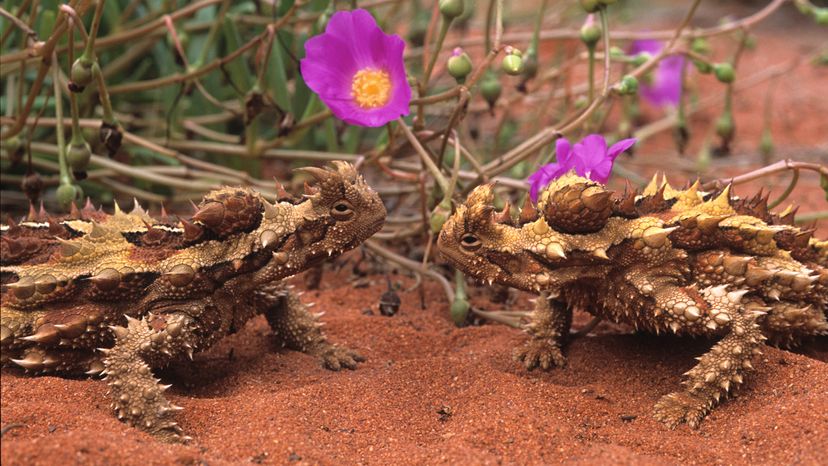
(725, 126)
(490, 89)
(641, 58)
(700, 46)
(590, 6)
(512, 64)
(616, 53)
(67, 193)
(590, 32)
(459, 65)
(78, 155)
(724, 72)
(628, 85)
(439, 216)
(766, 147)
(451, 9)
(821, 15)
(530, 65)
(81, 74)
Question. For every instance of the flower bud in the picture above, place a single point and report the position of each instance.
(725, 126)
(512, 64)
(14, 149)
(821, 15)
(627, 86)
(490, 89)
(641, 58)
(78, 155)
(700, 46)
(80, 75)
(439, 216)
(68, 193)
(616, 53)
(766, 147)
(590, 31)
(451, 9)
(724, 72)
(590, 6)
(530, 64)
(459, 65)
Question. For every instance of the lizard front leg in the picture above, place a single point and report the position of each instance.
(547, 326)
(151, 342)
(299, 329)
(723, 366)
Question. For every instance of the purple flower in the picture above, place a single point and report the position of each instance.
(358, 70)
(665, 87)
(589, 158)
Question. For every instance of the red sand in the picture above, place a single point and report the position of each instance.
(433, 393)
(247, 401)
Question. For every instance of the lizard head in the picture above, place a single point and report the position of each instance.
(339, 213)
(532, 253)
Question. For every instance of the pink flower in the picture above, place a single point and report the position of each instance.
(357, 70)
(589, 158)
(665, 87)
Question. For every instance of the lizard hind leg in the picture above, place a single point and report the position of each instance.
(721, 368)
(137, 397)
(299, 329)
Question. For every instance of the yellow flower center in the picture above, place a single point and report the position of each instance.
(371, 88)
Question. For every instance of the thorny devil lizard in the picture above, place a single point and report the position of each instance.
(668, 260)
(120, 295)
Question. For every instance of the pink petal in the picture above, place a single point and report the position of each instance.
(620, 147)
(562, 151)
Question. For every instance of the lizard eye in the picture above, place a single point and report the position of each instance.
(342, 211)
(470, 242)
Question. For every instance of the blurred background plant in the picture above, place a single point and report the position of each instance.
(163, 100)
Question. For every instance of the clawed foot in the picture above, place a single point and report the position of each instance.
(539, 352)
(678, 407)
(338, 357)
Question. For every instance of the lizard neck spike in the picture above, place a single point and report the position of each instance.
(136, 208)
(504, 216)
(282, 195)
(310, 191)
(192, 232)
(211, 214)
(626, 205)
(32, 216)
(528, 213)
(117, 207)
(723, 199)
(74, 213)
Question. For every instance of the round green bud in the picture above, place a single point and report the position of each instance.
(512, 64)
(490, 89)
(700, 46)
(725, 126)
(78, 155)
(451, 8)
(724, 72)
(641, 58)
(628, 85)
(80, 74)
(590, 34)
(459, 65)
(67, 193)
(530, 65)
(590, 6)
(616, 53)
(459, 310)
(821, 15)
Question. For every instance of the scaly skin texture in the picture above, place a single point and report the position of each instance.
(121, 295)
(682, 261)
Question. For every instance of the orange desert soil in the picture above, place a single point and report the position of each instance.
(431, 393)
